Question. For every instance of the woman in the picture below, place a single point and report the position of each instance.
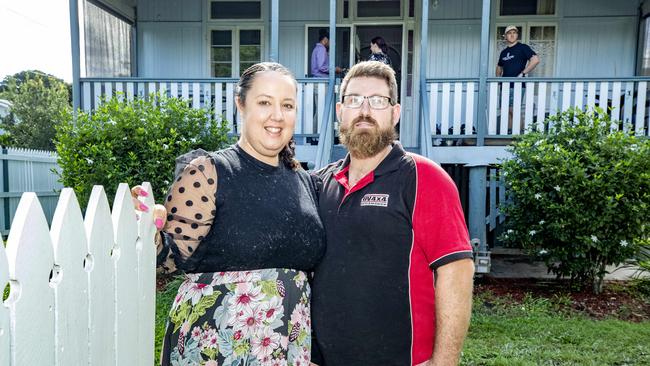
(244, 227)
(379, 51)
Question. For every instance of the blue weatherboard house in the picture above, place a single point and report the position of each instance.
(454, 109)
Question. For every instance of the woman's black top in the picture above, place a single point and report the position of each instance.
(381, 57)
(231, 212)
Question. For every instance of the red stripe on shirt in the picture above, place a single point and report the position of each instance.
(439, 229)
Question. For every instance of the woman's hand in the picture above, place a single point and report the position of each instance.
(159, 211)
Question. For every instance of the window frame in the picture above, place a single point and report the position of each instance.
(235, 60)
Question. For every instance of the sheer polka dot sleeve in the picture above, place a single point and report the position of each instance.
(191, 205)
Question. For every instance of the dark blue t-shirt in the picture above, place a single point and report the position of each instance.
(513, 59)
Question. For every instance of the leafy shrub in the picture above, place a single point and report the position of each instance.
(132, 142)
(579, 196)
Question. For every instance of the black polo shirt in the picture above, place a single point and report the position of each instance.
(373, 293)
(513, 59)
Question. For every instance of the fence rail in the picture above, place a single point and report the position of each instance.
(515, 104)
(218, 95)
(82, 291)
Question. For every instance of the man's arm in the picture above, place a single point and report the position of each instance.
(454, 282)
(499, 71)
(532, 63)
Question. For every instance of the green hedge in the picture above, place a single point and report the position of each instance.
(132, 142)
(579, 195)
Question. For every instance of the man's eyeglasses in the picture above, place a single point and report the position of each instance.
(374, 101)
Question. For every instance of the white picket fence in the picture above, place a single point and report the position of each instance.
(216, 94)
(453, 103)
(82, 291)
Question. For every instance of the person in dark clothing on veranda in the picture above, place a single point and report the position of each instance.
(516, 60)
(379, 51)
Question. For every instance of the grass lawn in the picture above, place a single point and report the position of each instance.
(538, 331)
(164, 301)
(528, 331)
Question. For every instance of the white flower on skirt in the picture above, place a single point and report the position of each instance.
(246, 296)
(278, 362)
(300, 315)
(303, 358)
(196, 291)
(249, 320)
(271, 309)
(196, 333)
(264, 342)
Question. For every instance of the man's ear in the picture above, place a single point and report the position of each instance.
(338, 111)
(397, 110)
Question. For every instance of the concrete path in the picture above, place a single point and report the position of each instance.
(508, 263)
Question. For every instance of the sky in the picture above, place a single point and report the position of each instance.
(35, 35)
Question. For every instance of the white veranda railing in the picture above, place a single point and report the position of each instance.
(82, 291)
(515, 104)
(218, 95)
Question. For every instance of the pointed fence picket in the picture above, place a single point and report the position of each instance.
(82, 292)
(70, 296)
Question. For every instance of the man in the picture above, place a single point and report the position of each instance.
(395, 285)
(319, 65)
(516, 60)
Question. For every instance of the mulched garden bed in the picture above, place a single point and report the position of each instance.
(618, 299)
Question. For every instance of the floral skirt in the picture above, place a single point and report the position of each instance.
(251, 318)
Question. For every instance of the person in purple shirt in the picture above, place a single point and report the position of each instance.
(319, 65)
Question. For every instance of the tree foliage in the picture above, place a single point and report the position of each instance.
(132, 142)
(39, 103)
(579, 195)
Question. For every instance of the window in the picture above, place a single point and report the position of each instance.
(527, 7)
(233, 51)
(222, 53)
(250, 48)
(378, 8)
(220, 10)
(108, 47)
(542, 39)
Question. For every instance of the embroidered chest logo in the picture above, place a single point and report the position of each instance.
(380, 200)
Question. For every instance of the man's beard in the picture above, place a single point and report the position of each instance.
(366, 143)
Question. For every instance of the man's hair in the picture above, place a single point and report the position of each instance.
(372, 69)
(322, 36)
